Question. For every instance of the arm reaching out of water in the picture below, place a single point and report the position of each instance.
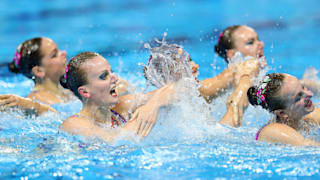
(212, 87)
(238, 100)
(237, 103)
(145, 117)
(10, 100)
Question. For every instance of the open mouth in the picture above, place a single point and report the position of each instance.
(308, 103)
(260, 54)
(113, 92)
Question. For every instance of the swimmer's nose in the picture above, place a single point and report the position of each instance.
(261, 44)
(63, 53)
(114, 78)
(195, 67)
(308, 93)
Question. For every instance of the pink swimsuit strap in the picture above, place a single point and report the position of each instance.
(258, 133)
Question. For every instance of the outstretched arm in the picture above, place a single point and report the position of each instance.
(237, 102)
(10, 100)
(213, 87)
(145, 117)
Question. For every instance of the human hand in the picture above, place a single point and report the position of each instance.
(236, 104)
(10, 100)
(250, 67)
(144, 118)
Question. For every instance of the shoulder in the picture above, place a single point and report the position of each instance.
(75, 125)
(281, 133)
(42, 97)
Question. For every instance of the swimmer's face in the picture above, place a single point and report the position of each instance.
(246, 41)
(298, 98)
(101, 86)
(54, 60)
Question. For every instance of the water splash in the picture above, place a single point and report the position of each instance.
(167, 63)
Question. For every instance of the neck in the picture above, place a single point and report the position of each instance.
(50, 86)
(292, 122)
(96, 114)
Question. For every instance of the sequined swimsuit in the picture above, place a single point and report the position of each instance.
(116, 118)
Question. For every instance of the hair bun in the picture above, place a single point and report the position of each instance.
(13, 68)
(63, 82)
(252, 95)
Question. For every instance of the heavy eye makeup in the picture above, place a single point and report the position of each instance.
(104, 75)
(250, 42)
(54, 53)
(299, 96)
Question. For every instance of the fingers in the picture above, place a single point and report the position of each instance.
(134, 116)
(4, 102)
(143, 127)
(149, 129)
(6, 96)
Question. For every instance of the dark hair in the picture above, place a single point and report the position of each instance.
(272, 100)
(27, 56)
(75, 76)
(167, 63)
(225, 42)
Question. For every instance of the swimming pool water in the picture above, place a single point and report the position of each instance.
(181, 146)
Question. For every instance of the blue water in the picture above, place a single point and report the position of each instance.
(179, 147)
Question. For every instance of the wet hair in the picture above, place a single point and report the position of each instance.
(272, 100)
(75, 76)
(225, 42)
(27, 55)
(167, 63)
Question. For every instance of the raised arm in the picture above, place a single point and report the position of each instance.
(213, 87)
(238, 101)
(144, 118)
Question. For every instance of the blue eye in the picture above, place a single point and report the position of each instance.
(104, 76)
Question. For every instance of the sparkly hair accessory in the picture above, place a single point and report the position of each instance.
(261, 96)
(220, 36)
(66, 73)
(149, 58)
(17, 56)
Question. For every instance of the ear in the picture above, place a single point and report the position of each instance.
(230, 53)
(38, 72)
(84, 92)
(281, 114)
